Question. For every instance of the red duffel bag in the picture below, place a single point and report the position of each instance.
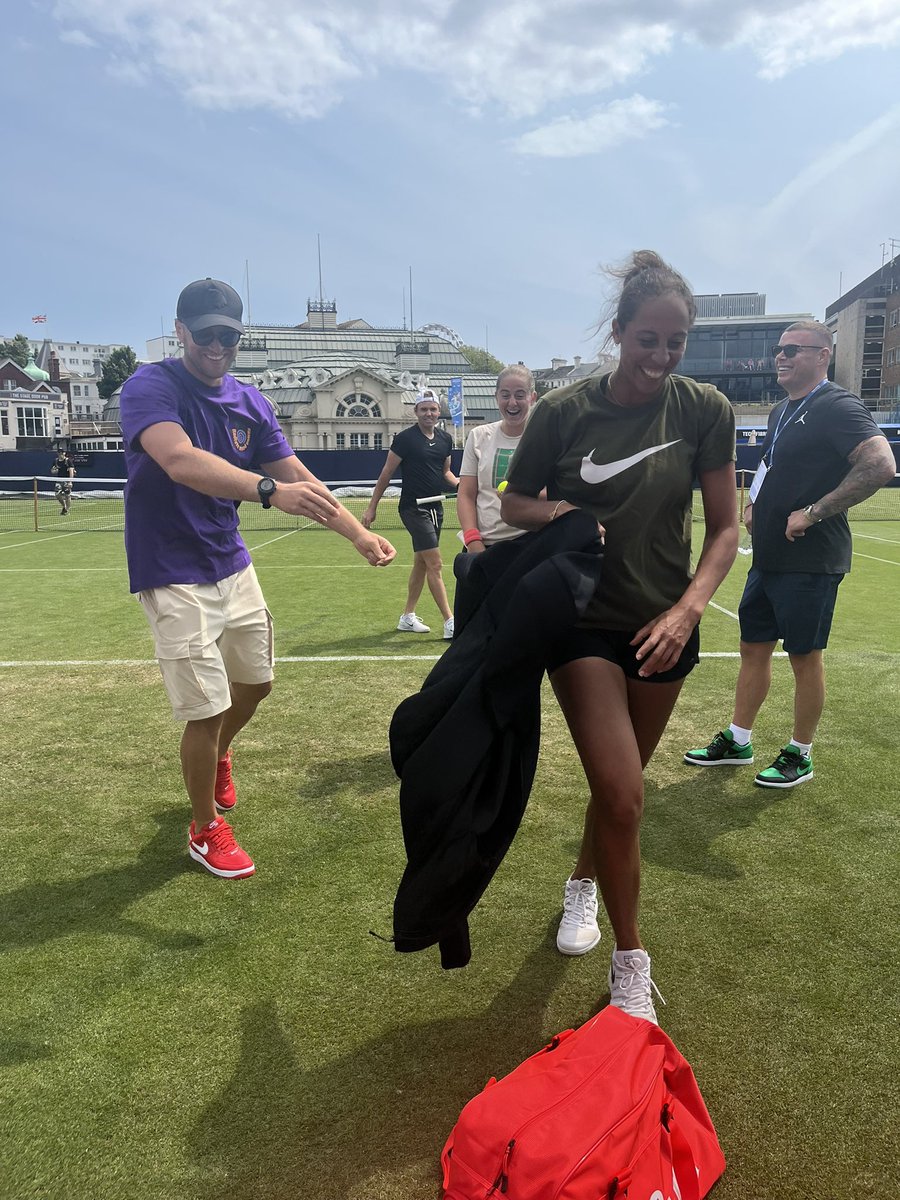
(607, 1111)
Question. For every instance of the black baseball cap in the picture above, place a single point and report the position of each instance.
(208, 302)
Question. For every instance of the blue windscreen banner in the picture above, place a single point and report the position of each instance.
(455, 400)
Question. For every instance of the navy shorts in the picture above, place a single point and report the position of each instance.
(614, 646)
(794, 607)
(424, 522)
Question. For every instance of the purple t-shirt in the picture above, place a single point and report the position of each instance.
(172, 533)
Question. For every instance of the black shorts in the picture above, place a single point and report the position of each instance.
(793, 606)
(424, 522)
(614, 645)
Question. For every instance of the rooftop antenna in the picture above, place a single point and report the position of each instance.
(412, 324)
(321, 293)
(247, 278)
(404, 308)
(888, 251)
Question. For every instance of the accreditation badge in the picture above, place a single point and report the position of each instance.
(758, 481)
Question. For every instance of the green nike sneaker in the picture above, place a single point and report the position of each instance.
(791, 767)
(722, 751)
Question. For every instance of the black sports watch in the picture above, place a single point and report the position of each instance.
(266, 488)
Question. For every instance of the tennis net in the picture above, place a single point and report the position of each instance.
(97, 505)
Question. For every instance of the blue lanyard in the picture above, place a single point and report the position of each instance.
(804, 405)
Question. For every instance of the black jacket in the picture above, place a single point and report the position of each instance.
(466, 746)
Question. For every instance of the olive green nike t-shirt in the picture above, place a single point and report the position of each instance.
(634, 469)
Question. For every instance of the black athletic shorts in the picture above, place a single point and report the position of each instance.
(793, 606)
(424, 522)
(614, 646)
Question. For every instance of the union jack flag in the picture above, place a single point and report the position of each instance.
(39, 319)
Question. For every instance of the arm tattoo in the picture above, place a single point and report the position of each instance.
(872, 467)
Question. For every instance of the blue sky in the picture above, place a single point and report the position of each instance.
(501, 151)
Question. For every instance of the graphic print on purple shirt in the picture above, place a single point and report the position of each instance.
(174, 534)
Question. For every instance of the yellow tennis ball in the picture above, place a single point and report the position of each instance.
(501, 487)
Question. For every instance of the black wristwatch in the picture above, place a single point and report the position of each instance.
(266, 488)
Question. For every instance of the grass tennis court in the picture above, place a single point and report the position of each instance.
(165, 1035)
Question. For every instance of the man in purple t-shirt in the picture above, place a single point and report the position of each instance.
(196, 441)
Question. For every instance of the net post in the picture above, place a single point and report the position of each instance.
(743, 485)
(35, 502)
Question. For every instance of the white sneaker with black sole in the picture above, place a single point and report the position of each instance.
(410, 623)
(578, 930)
(630, 985)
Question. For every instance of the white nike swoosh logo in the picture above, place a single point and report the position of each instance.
(592, 472)
(204, 849)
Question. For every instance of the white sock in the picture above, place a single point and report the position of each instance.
(741, 736)
(803, 747)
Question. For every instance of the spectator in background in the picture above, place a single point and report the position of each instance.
(822, 454)
(423, 453)
(486, 458)
(197, 441)
(64, 471)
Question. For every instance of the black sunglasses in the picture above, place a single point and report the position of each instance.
(791, 349)
(227, 338)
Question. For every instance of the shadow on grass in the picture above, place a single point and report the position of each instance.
(15, 1053)
(380, 642)
(40, 912)
(683, 820)
(384, 1109)
(323, 779)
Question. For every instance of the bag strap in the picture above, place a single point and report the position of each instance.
(682, 1154)
(445, 1158)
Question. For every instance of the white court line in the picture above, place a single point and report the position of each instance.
(151, 662)
(726, 611)
(322, 658)
(42, 541)
(290, 533)
(55, 570)
(874, 538)
(871, 557)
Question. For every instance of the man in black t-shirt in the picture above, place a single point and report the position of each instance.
(64, 471)
(423, 453)
(822, 454)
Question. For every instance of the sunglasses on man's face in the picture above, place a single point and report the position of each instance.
(792, 349)
(227, 338)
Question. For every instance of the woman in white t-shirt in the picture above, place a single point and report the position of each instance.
(486, 459)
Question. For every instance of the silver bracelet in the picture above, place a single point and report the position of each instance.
(555, 510)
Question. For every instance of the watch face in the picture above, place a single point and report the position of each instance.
(266, 487)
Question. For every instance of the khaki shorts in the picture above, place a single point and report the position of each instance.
(208, 636)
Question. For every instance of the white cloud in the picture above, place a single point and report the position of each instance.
(809, 32)
(518, 56)
(571, 137)
(835, 160)
(77, 37)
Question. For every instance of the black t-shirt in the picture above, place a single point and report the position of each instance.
(806, 461)
(423, 463)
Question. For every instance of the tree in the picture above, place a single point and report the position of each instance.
(121, 364)
(18, 349)
(482, 360)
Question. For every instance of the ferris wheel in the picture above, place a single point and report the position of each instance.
(442, 331)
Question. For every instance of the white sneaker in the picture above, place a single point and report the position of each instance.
(448, 629)
(410, 623)
(578, 930)
(630, 985)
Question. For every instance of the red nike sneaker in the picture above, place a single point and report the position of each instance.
(214, 846)
(226, 796)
